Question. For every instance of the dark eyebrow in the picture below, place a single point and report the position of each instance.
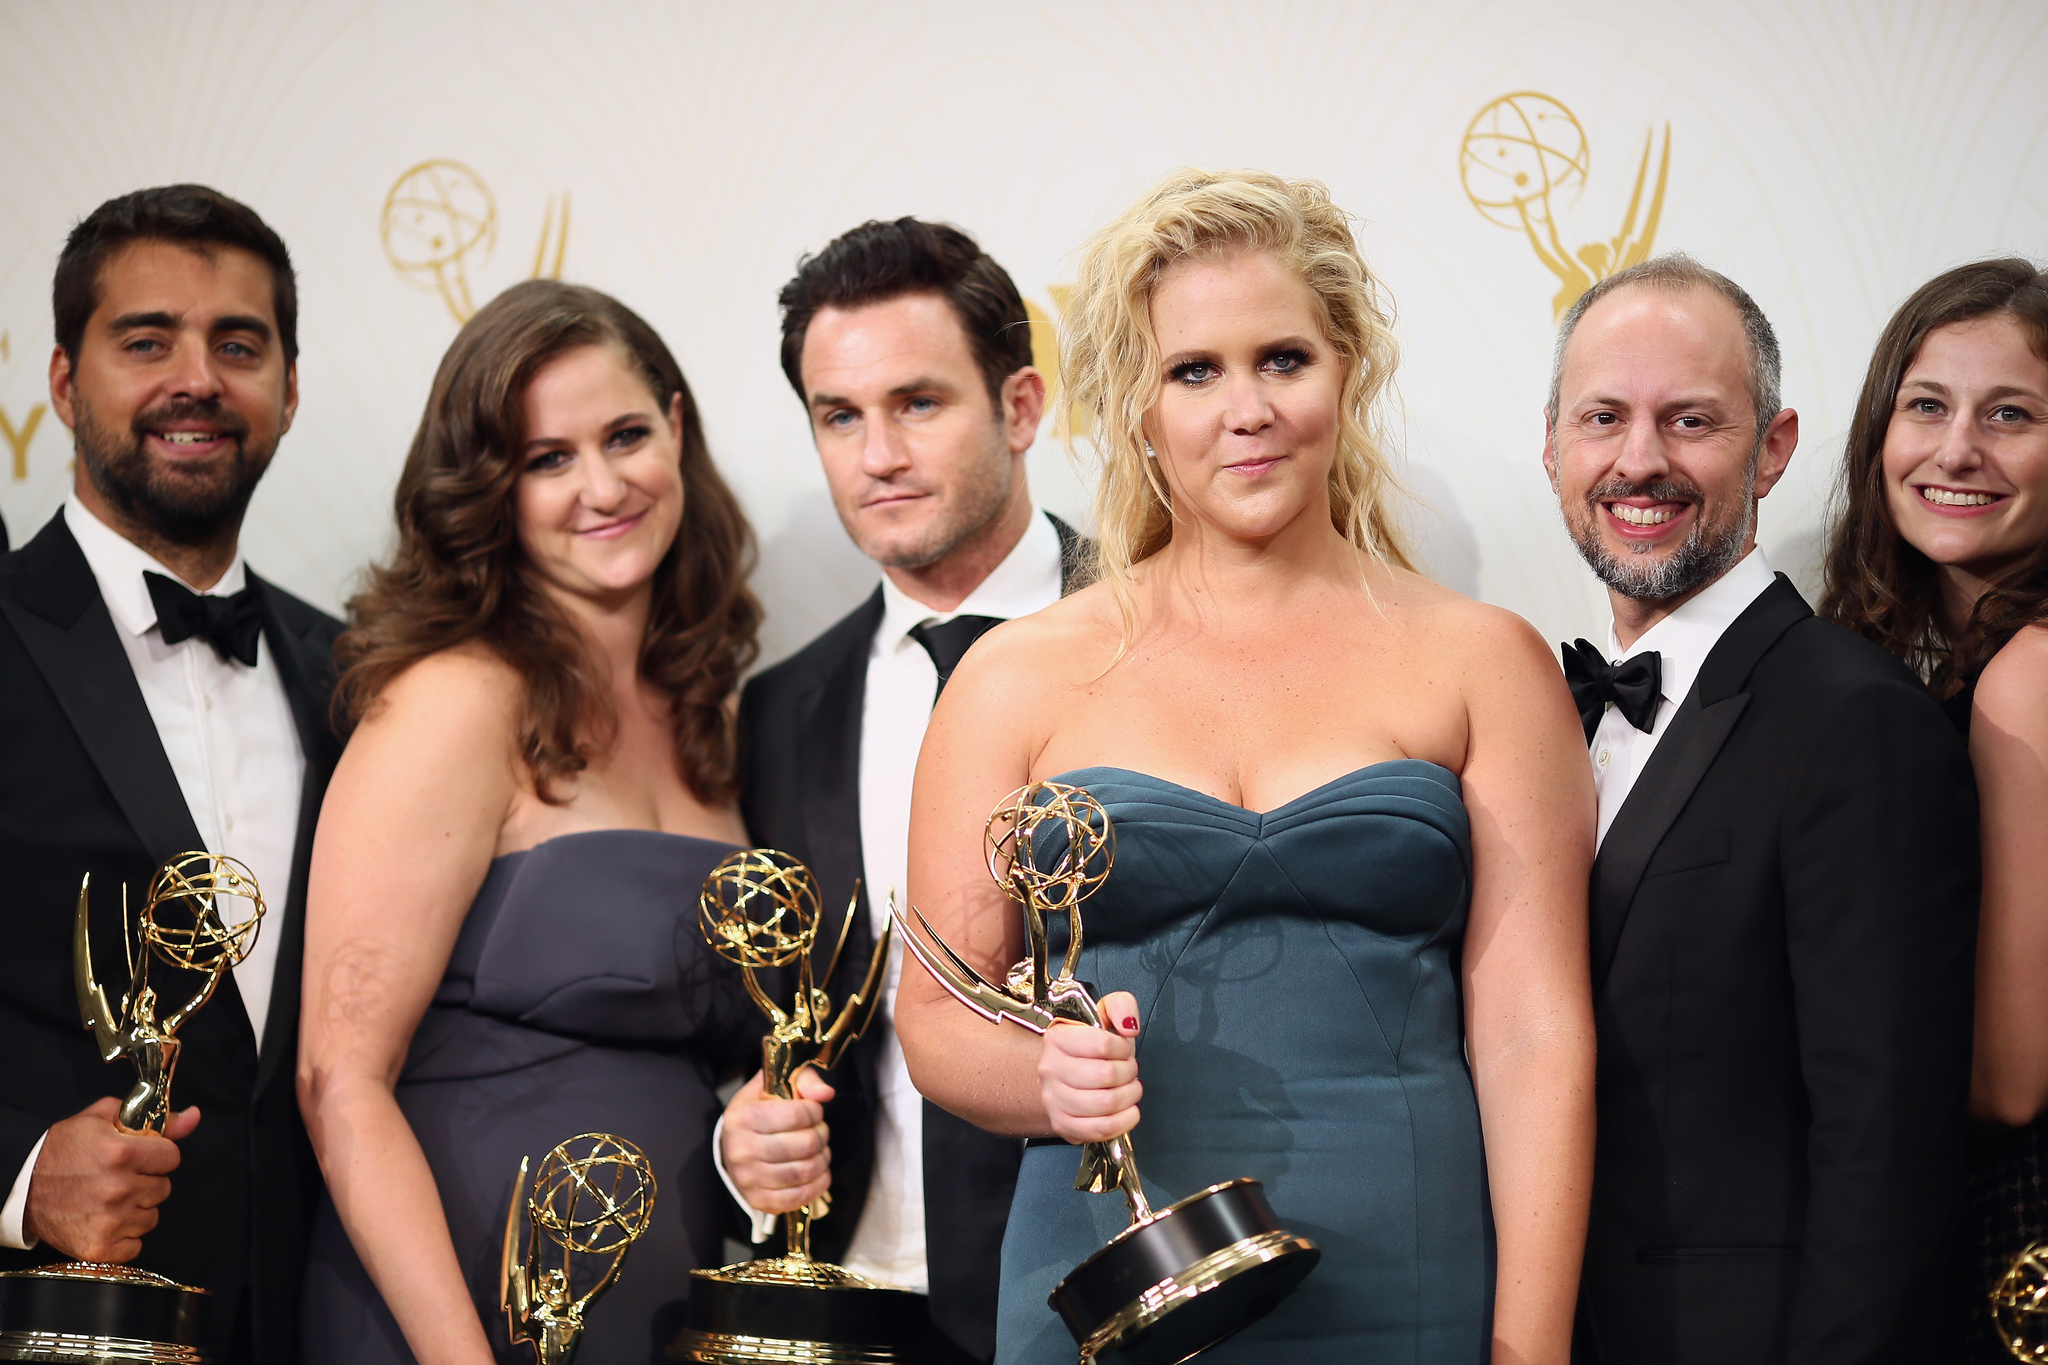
(255, 326)
(924, 383)
(129, 322)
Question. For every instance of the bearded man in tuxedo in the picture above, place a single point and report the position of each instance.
(1783, 905)
(157, 697)
(911, 351)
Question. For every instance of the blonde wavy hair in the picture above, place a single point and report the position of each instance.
(1111, 366)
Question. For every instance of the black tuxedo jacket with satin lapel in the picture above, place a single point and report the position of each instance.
(800, 737)
(1783, 928)
(85, 788)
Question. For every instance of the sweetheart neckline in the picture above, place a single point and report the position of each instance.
(1247, 810)
(582, 833)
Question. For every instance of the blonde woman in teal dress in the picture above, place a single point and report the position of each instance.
(1354, 822)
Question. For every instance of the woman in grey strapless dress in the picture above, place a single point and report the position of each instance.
(501, 945)
(579, 998)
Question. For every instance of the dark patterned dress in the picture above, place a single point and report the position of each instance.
(2005, 1203)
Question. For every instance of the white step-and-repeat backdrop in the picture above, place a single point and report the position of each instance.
(419, 155)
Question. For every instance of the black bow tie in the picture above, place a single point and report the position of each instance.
(232, 625)
(1635, 685)
(948, 641)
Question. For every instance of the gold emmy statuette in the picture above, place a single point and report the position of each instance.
(1179, 1279)
(760, 910)
(81, 1312)
(593, 1196)
(1524, 151)
(2019, 1305)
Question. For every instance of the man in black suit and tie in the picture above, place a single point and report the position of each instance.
(1783, 906)
(156, 697)
(911, 351)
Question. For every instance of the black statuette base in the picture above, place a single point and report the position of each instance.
(1197, 1273)
(735, 1322)
(92, 1314)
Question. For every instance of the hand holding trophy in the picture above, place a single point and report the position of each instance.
(1177, 1280)
(593, 1196)
(759, 910)
(81, 1312)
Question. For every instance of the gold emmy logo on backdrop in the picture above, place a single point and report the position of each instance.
(2019, 1305)
(440, 219)
(1045, 352)
(593, 1196)
(1521, 154)
(17, 438)
(1179, 1279)
(760, 910)
(81, 1312)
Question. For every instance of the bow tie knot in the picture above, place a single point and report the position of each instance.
(1635, 685)
(232, 625)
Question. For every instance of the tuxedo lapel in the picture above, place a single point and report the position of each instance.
(305, 667)
(66, 628)
(1076, 556)
(1705, 718)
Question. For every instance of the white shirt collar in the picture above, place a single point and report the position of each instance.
(1027, 580)
(1685, 637)
(118, 563)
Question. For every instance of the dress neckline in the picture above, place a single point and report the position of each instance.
(1311, 793)
(590, 833)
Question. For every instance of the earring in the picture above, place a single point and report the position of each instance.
(1150, 453)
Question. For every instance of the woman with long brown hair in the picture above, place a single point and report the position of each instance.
(1941, 556)
(499, 947)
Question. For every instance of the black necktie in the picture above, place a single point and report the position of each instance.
(1635, 685)
(948, 641)
(232, 625)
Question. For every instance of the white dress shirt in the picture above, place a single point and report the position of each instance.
(228, 732)
(1682, 640)
(902, 683)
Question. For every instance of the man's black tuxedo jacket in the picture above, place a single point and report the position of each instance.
(1783, 926)
(800, 792)
(85, 788)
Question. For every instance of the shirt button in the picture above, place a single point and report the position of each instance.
(1604, 756)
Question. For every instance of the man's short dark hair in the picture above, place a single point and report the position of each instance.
(876, 262)
(194, 216)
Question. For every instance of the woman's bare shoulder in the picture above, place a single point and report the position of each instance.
(2013, 693)
(465, 689)
(1465, 628)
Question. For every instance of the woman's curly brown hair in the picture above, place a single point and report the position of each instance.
(1878, 585)
(460, 575)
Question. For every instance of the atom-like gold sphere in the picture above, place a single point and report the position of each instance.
(181, 922)
(2019, 1306)
(1012, 835)
(438, 214)
(1518, 151)
(760, 908)
(593, 1193)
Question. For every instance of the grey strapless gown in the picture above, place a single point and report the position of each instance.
(579, 997)
(1297, 975)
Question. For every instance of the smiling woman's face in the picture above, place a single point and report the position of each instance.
(1246, 423)
(600, 493)
(1966, 452)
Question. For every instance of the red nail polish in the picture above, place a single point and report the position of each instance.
(1130, 1023)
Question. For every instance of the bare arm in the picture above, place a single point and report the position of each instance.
(978, 749)
(407, 831)
(2009, 749)
(1528, 1001)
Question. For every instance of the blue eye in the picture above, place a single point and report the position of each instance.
(1192, 372)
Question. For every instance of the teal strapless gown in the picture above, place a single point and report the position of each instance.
(1297, 975)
